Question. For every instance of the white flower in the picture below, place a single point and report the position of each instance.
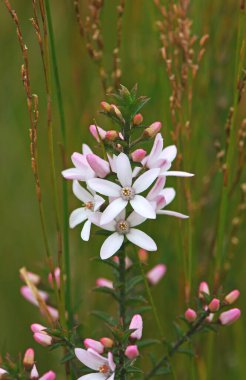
(105, 367)
(127, 192)
(92, 203)
(121, 228)
(160, 198)
(87, 165)
(162, 158)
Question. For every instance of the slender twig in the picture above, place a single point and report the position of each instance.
(185, 338)
(122, 309)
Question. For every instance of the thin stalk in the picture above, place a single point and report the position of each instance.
(186, 337)
(122, 309)
(64, 184)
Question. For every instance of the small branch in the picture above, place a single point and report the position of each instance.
(165, 359)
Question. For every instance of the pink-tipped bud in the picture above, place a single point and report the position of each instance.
(100, 166)
(138, 119)
(143, 255)
(231, 297)
(97, 132)
(34, 375)
(115, 111)
(137, 325)
(94, 344)
(105, 106)
(3, 372)
(156, 274)
(43, 339)
(57, 275)
(28, 360)
(28, 295)
(229, 317)
(48, 376)
(203, 288)
(103, 282)
(128, 261)
(214, 305)
(190, 315)
(138, 155)
(112, 135)
(153, 129)
(37, 328)
(33, 277)
(54, 313)
(107, 342)
(132, 352)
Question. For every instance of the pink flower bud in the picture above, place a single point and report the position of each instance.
(156, 274)
(132, 352)
(153, 129)
(138, 119)
(229, 317)
(105, 106)
(43, 339)
(2, 373)
(28, 295)
(112, 135)
(190, 315)
(53, 312)
(28, 360)
(100, 166)
(214, 305)
(143, 255)
(128, 261)
(33, 277)
(34, 375)
(94, 344)
(138, 155)
(97, 132)
(48, 376)
(203, 288)
(57, 275)
(115, 111)
(107, 342)
(231, 297)
(103, 282)
(137, 324)
(36, 327)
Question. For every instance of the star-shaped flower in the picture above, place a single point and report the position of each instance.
(126, 192)
(91, 203)
(104, 367)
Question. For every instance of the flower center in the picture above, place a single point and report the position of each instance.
(89, 205)
(104, 369)
(127, 193)
(122, 227)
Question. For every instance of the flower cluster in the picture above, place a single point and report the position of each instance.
(126, 187)
(105, 367)
(213, 307)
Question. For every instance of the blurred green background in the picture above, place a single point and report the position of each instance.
(21, 241)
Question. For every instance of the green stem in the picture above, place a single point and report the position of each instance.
(186, 337)
(122, 309)
(64, 184)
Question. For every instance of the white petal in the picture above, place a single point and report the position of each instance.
(98, 202)
(86, 149)
(155, 151)
(136, 170)
(176, 174)
(74, 173)
(172, 213)
(111, 362)
(111, 245)
(141, 239)
(113, 210)
(77, 216)
(135, 219)
(169, 153)
(90, 359)
(93, 376)
(143, 207)
(104, 187)
(111, 377)
(122, 215)
(145, 180)
(85, 233)
(158, 186)
(82, 194)
(169, 194)
(124, 170)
